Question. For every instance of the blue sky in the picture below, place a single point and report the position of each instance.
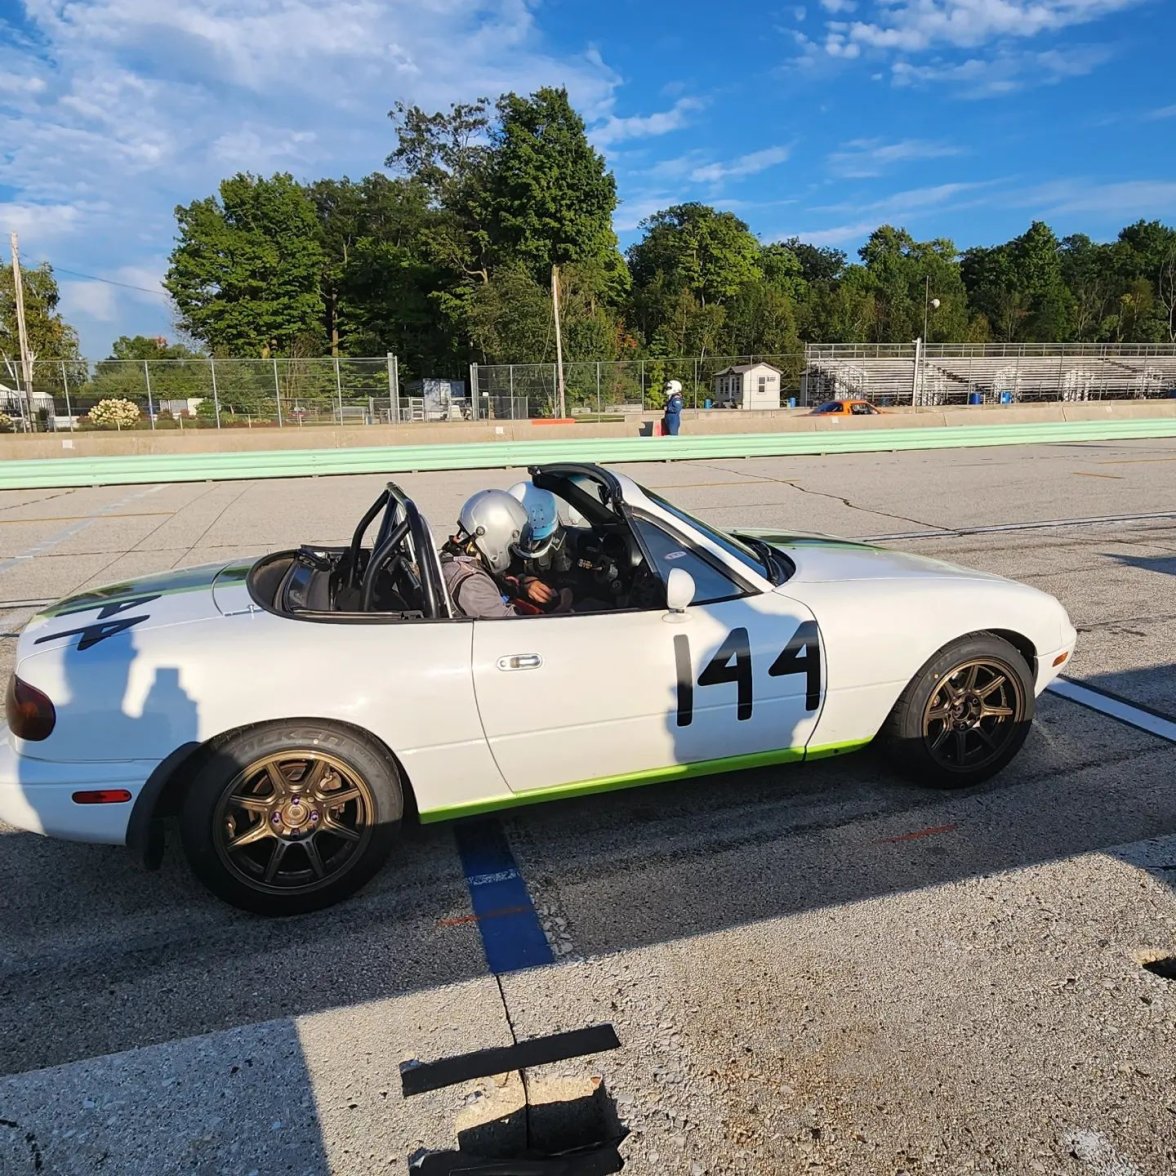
(822, 118)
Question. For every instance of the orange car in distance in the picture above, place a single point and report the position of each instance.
(846, 408)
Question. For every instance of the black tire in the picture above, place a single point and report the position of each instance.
(282, 819)
(940, 733)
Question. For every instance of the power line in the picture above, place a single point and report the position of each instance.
(109, 281)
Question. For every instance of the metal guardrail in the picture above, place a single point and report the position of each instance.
(46, 473)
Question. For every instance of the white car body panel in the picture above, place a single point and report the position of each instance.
(603, 702)
(181, 658)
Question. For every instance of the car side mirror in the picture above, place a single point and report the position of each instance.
(680, 589)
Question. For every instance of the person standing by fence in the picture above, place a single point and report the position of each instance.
(672, 419)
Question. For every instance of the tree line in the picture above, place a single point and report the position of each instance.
(450, 254)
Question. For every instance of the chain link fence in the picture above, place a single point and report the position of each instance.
(203, 393)
(593, 390)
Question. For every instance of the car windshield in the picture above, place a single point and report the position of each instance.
(760, 563)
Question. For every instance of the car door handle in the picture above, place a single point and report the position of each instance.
(520, 661)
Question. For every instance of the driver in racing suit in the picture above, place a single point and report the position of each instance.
(490, 525)
(547, 568)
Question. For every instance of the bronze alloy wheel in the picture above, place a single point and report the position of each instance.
(973, 714)
(293, 822)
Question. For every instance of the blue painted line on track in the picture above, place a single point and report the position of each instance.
(512, 936)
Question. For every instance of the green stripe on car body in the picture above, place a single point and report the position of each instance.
(733, 763)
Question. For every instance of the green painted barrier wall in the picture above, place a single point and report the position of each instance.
(48, 473)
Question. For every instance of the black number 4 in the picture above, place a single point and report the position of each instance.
(732, 663)
(802, 655)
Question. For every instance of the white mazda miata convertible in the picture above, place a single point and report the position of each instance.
(291, 710)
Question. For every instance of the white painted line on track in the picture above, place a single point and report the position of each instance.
(998, 528)
(76, 528)
(1116, 708)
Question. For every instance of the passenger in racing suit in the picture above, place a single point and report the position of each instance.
(490, 524)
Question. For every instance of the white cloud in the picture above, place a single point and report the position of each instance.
(746, 165)
(263, 149)
(114, 111)
(910, 202)
(41, 225)
(860, 158)
(642, 126)
(1161, 112)
(1123, 199)
(898, 206)
(837, 235)
(1007, 72)
(633, 211)
(94, 300)
(839, 5)
(927, 40)
(916, 25)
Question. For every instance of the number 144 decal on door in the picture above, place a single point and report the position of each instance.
(732, 663)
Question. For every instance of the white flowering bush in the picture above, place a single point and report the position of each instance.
(6, 423)
(115, 413)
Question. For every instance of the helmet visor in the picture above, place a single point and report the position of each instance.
(531, 544)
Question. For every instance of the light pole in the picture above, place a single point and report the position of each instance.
(929, 304)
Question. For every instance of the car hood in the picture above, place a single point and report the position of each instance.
(148, 602)
(824, 559)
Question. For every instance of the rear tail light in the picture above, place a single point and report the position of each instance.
(102, 796)
(28, 712)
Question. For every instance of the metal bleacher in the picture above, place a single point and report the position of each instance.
(942, 374)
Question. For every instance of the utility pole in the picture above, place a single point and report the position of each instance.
(26, 362)
(558, 342)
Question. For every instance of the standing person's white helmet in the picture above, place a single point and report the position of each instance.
(496, 522)
(671, 387)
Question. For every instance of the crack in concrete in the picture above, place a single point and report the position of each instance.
(867, 509)
(825, 494)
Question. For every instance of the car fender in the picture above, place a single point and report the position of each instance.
(877, 635)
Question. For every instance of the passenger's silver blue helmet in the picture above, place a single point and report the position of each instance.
(543, 514)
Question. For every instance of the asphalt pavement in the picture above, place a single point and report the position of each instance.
(813, 968)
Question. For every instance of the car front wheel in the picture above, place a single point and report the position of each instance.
(285, 819)
(963, 716)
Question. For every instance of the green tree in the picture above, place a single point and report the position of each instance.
(447, 155)
(246, 274)
(380, 281)
(697, 251)
(990, 278)
(52, 341)
(905, 275)
(509, 318)
(549, 197)
(137, 363)
(1088, 274)
(1037, 266)
(1144, 261)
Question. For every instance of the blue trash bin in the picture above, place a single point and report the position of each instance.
(975, 398)
(1006, 398)
(708, 403)
(791, 401)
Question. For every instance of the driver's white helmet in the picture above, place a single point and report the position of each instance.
(496, 522)
(543, 511)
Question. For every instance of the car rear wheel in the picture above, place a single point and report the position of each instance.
(285, 819)
(963, 716)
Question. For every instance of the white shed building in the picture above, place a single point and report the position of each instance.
(748, 385)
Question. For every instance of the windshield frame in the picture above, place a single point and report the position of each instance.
(739, 549)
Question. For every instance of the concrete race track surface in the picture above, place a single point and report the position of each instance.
(815, 969)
